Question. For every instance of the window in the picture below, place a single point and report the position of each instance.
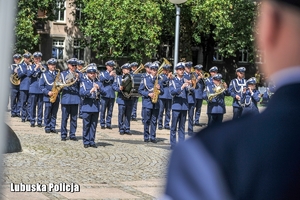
(217, 57)
(60, 10)
(259, 57)
(78, 14)
(58, 46)
(243, 56)
(78, 50)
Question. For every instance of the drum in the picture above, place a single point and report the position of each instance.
(137, 78)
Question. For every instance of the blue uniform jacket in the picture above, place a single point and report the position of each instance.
(70, 95)
(91, 101)
(209, 81)
(191, 94)
(217, 104)
(116, 87)
(107, 82)
(180, 101)
(34, 76)
(200, 86)
(236, 88)
(164, 81)
(46, 83)
(250, 101)
(12, 71)
(145, 88)
(22, 73)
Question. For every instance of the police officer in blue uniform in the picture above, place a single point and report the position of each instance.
(191, 96)
(125, 105)
(82, 75)
(147, 73)
(24, 87)
(46, 82)
(179, 91)
(134, 66)
(200, 86)
(70, 100)
(107, 101)
(216, 106)
(15, 89)
(250, 97)
(165, 99)
(212, 71)
(90, 90)
(34, 72)
(236, 89)
(151, 110)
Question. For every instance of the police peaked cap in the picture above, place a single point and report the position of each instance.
(110, 63)
(189, 64)
(37, 54)
(134, 64)
(241, 69)
(198, 67)
(213, 69)
(72, 61)
(166, 66)
(52, 61)
(17, 55)
(80, 62)
(27, 55)
(92, 68)
(217, 77)
(125, 66)
(180, 65)
(251, 80)
(154, 66)
(148, 64)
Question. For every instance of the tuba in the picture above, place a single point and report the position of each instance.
(58, 84)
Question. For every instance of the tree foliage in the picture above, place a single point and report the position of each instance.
(26, 36)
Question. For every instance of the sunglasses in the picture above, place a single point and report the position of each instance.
(74, 65)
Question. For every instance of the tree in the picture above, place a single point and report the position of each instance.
(119, 28)
(27, 37)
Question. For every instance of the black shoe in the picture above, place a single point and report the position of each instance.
(93, 145)
(23, 120)
(102, 127)
(86, 146)
(153, 141)
(13, 115)
(47, 131)
(32, 125)
(121, 133)
(160, 128)
(63, 139)
(39, 125)
(53, 131)
(128, 133)
(80, 117)
(74, 138)
(27, 120)
(196, 124)
(146, 141)
(108, 127)
(133, 119)
(167, 127)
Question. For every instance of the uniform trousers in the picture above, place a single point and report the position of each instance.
(50, 115)
(198, 106)
(215, 119)
(80, 105)
(178, 118)
(237, 112)
(124, 116)
(25, 104)
(90, 120)
(191, 119)
(69, 110)
(164, 107)
(107, 104)
(15, 103)
(150, 121)
(134, 108)
(36, 100)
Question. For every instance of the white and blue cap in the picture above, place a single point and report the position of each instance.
(213, 69)
(125, 66)
(92, 68)
(217, 77)
(166, 66)
(198, 67)
(52, 61)
(80, 62)
(17, 56)
(72, 61)
(37, 54)
(110, 63)
(241, 69)
(251, 80)
(27, 55)
(180, 65)
(148, 64)
(157, 62)
(189, 64)
(154, 66)
(134, 64)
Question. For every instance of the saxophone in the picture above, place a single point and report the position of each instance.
(156, 91)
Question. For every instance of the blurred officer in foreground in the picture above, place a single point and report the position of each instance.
(258, 156)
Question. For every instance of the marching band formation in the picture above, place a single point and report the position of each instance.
(37, 90)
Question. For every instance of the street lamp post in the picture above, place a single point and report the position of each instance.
(176, 2)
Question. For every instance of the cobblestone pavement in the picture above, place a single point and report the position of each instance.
(122, 167)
